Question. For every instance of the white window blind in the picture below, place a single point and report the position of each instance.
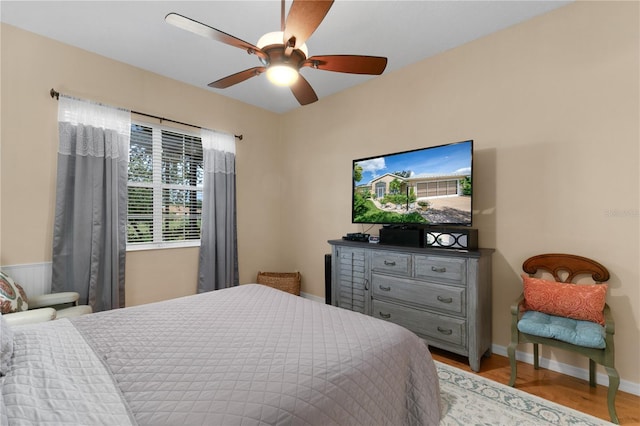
(165, 187)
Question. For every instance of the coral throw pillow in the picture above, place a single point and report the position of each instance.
(12, 297)
(577, 301)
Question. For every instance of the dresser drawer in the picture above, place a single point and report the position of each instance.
(447, 299)
(442, 268)
(427, 324)
(395, 263)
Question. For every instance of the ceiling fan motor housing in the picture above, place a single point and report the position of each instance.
(275, 55)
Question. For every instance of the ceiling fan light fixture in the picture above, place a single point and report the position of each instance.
(276, 38)
(282, 75)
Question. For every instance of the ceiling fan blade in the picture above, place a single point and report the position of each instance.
(303, 91)
(205, 30)
(353, 64)
(303, 19)
(236, 78)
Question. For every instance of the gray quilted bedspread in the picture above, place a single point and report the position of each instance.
(56, 379)
(252, 355)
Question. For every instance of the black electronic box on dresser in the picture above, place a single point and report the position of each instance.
(442, 295)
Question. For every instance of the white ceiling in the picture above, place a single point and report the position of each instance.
(135, 32)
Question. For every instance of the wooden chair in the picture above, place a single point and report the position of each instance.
(557, 265)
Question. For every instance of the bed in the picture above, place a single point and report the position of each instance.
(248, 355)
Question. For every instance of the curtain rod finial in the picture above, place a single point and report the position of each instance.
(239, 137)
(54, 94)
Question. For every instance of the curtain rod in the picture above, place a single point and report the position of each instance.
(56, 94)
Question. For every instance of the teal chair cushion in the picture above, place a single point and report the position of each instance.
(577, 332)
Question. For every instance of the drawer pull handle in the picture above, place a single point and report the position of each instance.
(441, 269)
(385, 316)
(445, 299)
(366, 284)
(446, 331)
(390, 263)
(383, 288)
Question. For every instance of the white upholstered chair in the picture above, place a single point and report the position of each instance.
(48, 307)
(41, 308)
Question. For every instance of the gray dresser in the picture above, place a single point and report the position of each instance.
(442, 295)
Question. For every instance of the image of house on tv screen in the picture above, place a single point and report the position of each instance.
(430, 186)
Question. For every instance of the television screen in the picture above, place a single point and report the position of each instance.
(429, 186)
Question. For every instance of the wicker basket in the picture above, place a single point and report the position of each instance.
(285, 281)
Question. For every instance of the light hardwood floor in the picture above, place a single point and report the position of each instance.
(565, 390)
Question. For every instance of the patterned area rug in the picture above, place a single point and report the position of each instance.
(471, 400)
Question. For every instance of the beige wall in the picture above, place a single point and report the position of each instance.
(31, 66)
(552, 105)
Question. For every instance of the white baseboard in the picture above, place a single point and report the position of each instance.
(34, 278)
(569, 370)
(312, 297)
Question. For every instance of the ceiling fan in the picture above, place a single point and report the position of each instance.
(283, 53)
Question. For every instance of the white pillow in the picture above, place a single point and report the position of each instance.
(12, 296)
(6, 346)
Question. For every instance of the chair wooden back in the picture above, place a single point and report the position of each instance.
(556, 263)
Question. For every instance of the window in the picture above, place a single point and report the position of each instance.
(165, 187)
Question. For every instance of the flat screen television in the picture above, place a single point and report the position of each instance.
(429, 186)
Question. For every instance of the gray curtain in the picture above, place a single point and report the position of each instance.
(218, 262)
(89, 235)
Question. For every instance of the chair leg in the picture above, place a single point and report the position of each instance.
(592, 373)
(614, 383)
(511, 350)
(536, 363)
